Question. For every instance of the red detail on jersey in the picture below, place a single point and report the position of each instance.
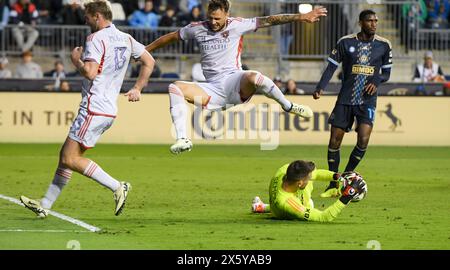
(90, 37)
(207, 102)
(295, 205)
(193, 24)
(241, 44)
(100, 67)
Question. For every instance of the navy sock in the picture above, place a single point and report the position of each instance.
(355, 157)
(334, 158)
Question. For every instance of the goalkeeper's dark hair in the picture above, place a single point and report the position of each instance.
(214, 5)
(299, 169)
(365, 13)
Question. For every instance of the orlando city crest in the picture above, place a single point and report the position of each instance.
(226, 34)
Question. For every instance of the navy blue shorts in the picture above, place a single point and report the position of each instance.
(343, 116)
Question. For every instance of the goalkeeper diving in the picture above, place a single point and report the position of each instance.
(290, 193)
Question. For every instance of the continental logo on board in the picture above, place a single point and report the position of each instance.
(364, 70)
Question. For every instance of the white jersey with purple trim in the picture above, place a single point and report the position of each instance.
(220, 51)
(112, 50)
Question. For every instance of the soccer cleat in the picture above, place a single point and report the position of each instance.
(330, 193)
(120, 196)
(258, 206)
(34, 206)
(181, 145)
(301, 110)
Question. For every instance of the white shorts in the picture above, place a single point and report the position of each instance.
(225, 90)
(87, 128)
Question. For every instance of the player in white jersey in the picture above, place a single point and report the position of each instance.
(220, 40)
(104, 64)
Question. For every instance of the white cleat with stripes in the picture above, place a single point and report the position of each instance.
(120, 196)
(34, 206)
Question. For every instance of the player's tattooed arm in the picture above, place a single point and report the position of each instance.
(277, 19)
(310, 17)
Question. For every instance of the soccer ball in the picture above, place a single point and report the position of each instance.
(348, 178)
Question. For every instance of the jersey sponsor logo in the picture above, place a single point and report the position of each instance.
(307, 213)
(334, 51)
(362, 69)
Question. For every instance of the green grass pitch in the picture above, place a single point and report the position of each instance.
(201, 200)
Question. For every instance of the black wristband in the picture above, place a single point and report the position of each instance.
(345, 199)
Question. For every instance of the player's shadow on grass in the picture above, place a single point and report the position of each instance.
(271, 219)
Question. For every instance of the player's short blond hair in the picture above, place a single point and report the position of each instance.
(101, 6)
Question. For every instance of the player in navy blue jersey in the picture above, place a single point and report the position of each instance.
(366, 62)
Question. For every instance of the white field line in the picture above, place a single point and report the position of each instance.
(57, 215)
(44, 231)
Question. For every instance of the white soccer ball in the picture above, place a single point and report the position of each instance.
(348, 178)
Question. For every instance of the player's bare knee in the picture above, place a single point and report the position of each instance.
(66, 161)
(335, 143)
(363, 143)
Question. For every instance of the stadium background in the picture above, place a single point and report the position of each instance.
(35, 111)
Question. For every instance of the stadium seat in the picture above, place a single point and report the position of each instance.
(170, 76)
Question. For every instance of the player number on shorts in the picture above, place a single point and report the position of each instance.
(371, 114)
(120, 58)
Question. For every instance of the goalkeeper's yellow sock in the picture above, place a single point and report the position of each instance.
(330, 193)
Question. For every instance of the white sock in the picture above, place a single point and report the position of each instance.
(61, 178)
(178, 110)
(96, 173)
(270, 90)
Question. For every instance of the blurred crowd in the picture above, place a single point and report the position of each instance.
(24, 15)
(433, 14)
(149, 14)
(138, 13)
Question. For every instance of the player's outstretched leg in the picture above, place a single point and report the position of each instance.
(178, 112)
(334, 158)
(120, 189)
(61, 178)
(364, 131)
(72, 157)
(270, 90)
(178, 93)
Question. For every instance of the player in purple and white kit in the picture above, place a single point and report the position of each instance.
(220, 40)
(103, 65)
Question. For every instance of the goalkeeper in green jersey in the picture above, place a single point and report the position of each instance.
(290, 193)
